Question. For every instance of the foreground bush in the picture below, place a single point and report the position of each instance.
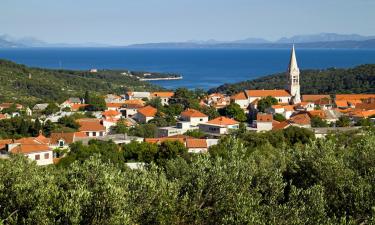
(321, 182)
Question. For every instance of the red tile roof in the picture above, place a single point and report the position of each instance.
(341, 103)
(349, 97)
(111, 113)
(89, 124)
(196, 143)
(148, 111)
(222, 120)
(281, 125)
(239, 96)
(4, 142)
(301, 119)
(67, 137)
(29, 145)
(313, 98)
(114, 105)
(265, 93)
(193, 113)
(162, 94)
(76, 107)
(263, 117)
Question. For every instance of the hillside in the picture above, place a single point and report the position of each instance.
(57, 85)
(360, 79)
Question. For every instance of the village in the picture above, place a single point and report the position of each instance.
(197, 123)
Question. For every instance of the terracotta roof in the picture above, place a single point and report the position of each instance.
(365, 106)
(281, 125)
(29, 145)
(4, 142)
(134, 102)
(9, 104)
(341, 103)
(363, 114)
(313, 98)
(3, 116)
(148, 111)
(67, 137)
(301, 119)
(196, 143)
(114, 105)
(349, 97)
(263, 117)
(76, 107)
(318, 113)
(110, 113)
(239, 96)
(80, 134)
(89, 124)
(222, 120)
(265, 93)
(193, 113)
(42, 139)
(162, 94)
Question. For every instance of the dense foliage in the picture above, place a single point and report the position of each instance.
(325, 181)
(30, 85)
(360, 79)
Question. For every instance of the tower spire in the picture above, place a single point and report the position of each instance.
(293, 60)
(293, 78)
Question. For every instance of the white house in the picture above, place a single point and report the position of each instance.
(219, 126)
(145, 114)
(264, 122)
(194, 117)
(92, 127)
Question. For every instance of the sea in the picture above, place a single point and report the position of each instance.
(200, 68)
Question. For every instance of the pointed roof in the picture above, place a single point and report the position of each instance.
(293, 60)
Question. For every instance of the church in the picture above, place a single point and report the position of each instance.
(291, 95)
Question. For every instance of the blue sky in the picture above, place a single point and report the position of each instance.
(123, 22)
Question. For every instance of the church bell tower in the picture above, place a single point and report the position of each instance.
(293, 78)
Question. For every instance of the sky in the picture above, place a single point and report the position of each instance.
(122, 22)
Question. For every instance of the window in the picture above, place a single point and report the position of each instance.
(46, 156)
(37, 157)
(61, 143)
(279, 99)
(94, 134)
(200, 119)
(88, 134)
(101, 134)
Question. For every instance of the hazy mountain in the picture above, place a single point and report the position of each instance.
(324, 37)
(7, 41)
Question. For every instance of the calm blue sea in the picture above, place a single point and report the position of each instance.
(201, 68)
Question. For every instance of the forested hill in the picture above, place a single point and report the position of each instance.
(16, 85)
(360, 79)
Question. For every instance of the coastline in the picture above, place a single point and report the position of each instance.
(161, 78)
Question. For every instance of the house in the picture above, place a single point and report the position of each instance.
(194, 145)
(163, 95)
(111, 114)
(180, 128)
(114, 106)
(91, 127)
(301, 120)
(35, 148)
(194, 117)
(219, 126)
(4, 116)
(217, 100)
(111, 98)
(285, 110)
(264, 122)
(362, 114)
(62, 140)
(40, 107)
(145, 114)
(7, 105)
(137, 95)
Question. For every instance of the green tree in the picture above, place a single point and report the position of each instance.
(234, 111)
(316, 121)
(279, 117)
(265, 103)
(68, 121)
(344, 121)
(51, 109)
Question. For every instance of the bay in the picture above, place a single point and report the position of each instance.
(201, 68)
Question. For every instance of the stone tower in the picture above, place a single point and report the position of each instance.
(293, 79)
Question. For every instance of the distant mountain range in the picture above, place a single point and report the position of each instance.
(322, 40)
